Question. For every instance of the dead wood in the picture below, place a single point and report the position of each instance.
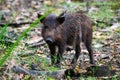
(98, 71)
(94, 22)
(2, 24)
(36, 44)
(55, 74)
(26, 54)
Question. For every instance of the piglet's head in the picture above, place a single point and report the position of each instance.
(50, 23)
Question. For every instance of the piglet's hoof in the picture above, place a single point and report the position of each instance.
(70, 72)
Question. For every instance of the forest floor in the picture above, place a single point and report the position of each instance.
(32, 52)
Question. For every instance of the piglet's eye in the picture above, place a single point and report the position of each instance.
(45, 26)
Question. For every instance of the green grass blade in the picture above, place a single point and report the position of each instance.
(4, 30)
(9, 51)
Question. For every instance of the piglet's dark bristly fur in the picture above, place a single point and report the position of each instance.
(68, 29)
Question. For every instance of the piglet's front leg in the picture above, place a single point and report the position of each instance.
(61, 49)
(52, 53)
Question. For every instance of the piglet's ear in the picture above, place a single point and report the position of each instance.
(40, 14)
(60, 19)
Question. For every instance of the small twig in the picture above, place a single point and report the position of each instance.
(37, 44)
(27, 54)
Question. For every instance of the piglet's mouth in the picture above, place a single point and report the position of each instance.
(49, 41)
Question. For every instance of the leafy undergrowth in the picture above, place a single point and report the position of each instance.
(31, 55)
(106, 48)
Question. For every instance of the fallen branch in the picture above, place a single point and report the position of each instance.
(55, 74)
(26, 54)
(100, 21)
(36, 44)
(14, 24)
(23, 23)
(98, 71)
